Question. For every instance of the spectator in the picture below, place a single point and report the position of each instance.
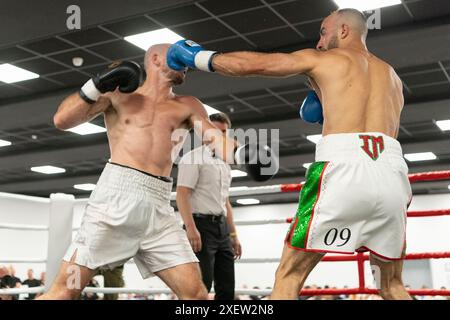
(3, 285)
(31, 282)
(12, 281)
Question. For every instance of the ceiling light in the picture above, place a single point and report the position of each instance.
(11, 74)
(85, 186)
(420, 156)
(48, 169)
(147, 39)
(247, 201)
(306, 165)
(444, 125)
(366, 5)
(87, 128)
(449, 187)
(238, 173)
(314, 138)
(4, 143)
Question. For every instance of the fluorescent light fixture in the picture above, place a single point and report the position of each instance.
(147, 39)
(210, 110)
(306, 165)
(365, 5)
(87, 128)
(444, 125)
(85, 186)
(11, 74)
(314, 138)
(420, 156)
(238, 173)
(48, 169)
(4, 143)
(247, 201)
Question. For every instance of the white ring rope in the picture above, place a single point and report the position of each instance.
(22, 290)
(41, 289)
(258, 222)
(23, 260)
(131, 261)
(238, 191)
(23, 197)
(13, 226)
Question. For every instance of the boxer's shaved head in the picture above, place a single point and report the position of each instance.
(355, 19)
(342, 26)
(155, 59)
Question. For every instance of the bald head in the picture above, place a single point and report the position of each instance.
(341, 28)
(157, 49)
(155, 63)
(355, 19)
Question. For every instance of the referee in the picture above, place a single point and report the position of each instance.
(202, 198)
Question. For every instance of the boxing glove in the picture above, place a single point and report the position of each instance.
(188, 54)
(311, 109)
(126, 75)
(258, 161)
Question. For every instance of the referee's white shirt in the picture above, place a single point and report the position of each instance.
(210, 179)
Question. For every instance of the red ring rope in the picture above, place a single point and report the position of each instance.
(414, 177)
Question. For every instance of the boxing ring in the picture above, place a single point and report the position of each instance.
(60, 228)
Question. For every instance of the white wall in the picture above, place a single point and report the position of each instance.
(424, 234)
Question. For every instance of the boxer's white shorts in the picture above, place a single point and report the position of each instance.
(355, 197)
(129, 216)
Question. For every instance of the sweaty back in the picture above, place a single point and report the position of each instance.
(359, 93)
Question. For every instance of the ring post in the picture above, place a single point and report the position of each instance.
(59, 233)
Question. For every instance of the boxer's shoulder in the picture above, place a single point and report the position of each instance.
(193, 104)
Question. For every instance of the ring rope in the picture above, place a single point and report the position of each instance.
(327, 258)
(411, 214)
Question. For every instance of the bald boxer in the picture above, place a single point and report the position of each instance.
(357, 192)
(128, 215)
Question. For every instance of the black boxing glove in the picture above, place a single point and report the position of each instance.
(127, 75)
(257, 160)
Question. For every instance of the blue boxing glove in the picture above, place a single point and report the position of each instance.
(311, 109)
(187, 53)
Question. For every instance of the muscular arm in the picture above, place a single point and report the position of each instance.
(222, 146)
(74, 111)
(267, 64)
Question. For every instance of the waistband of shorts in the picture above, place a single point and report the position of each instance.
(132, 181)
(356, 146)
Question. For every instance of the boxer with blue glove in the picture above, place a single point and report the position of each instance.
(311, 109)
(359, 181)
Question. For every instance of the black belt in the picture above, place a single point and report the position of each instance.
(210, 217)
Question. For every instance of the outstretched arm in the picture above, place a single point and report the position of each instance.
(186, 53)
(266, 64)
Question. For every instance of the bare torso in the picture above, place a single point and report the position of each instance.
(140, 130)
(359, 93)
